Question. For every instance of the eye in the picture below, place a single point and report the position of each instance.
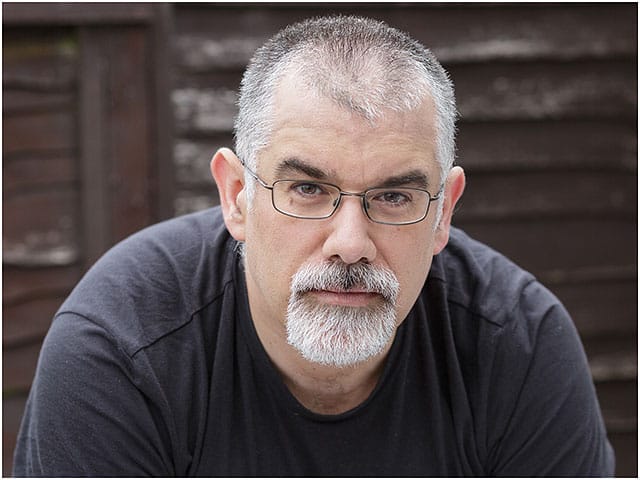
(392, 198)
(308, 189)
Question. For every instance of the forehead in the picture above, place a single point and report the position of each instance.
(343, 143)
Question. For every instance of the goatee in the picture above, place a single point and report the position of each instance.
(339, 335)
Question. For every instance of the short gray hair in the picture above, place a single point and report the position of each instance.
(361, 64)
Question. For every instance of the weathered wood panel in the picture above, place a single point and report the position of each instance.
(28, 322)
(457, 34)
(40, 61)
(485, 93)
(22, 284)
(84, 152)
(524, 146)
(18, 367)
(127, 140)
(619, 403)
(38, 172)
(513, 91)
(533, 195)
(560, 244)
(33, 101)
(55, 13)
(30, 297)
(41, 228)
(48, 131)
(601, 306)
(39, 149)
(117, 170)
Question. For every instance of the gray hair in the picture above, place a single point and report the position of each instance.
(361, 64)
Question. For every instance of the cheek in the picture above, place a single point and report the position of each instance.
(411, 262)
(276, 248)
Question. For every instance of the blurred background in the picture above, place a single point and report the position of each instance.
(111, 113)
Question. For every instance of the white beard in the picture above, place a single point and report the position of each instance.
(340, 335)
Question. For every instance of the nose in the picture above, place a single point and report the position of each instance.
(349, 238)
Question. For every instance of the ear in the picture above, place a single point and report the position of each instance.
(228, 173)
(453, 189)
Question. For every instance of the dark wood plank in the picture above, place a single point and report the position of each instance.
(21, 285)
(39, 60)
(35, 172)
(522, 146)
(204, 111)
(516, 91)
(18, 367)
(535, 195)
(560, 244)
(162, 175)
(194, 200)
(29, 321)
(76, 13)
(95, 173)
(457, 34)
(619, 404)
(116, 151)
(17, 101)
(38, 132)
(495, 32)
(129, 134)
(590, 303)
(625, 446)
(192, 159)
(48, 236)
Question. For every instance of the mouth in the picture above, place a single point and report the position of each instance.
(346, 298)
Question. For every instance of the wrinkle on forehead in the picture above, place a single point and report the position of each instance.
(315, 137)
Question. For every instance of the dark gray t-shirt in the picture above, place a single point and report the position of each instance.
(153, 367)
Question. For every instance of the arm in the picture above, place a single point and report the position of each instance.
(85, 415)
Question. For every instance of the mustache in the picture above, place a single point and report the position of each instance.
(339, 276)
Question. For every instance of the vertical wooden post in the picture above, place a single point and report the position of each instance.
(94, 169)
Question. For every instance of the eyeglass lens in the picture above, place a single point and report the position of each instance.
(320, 200)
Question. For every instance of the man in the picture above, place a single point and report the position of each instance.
(354, 332)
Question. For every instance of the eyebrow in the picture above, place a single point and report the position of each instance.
(295, 165)
(415, 178)
(291, 166)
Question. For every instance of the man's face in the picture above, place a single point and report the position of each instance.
(314, 139)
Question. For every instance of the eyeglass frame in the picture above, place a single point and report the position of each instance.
(342, 193)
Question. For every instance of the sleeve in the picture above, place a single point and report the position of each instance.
(548, 421)
(85, 416)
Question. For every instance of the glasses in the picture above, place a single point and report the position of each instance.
(317, 200)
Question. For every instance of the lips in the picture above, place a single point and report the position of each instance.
(336, 283)
(348, 298)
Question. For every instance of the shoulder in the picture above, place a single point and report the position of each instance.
(152, 282)
(524, 370)
(497, 312)
(487, 284)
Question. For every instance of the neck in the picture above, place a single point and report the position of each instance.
(322, 389)
(331, 390)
